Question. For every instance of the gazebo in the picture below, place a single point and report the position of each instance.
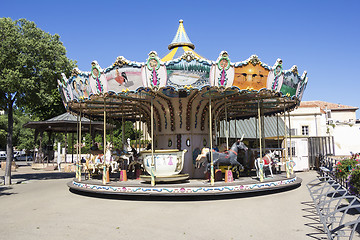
(64, 123)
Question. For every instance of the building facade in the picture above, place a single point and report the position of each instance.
(322, 128)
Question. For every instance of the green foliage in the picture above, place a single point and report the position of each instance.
(114, 136)
(31, 61)
(354, 181)
(344, 167)
(23, 138)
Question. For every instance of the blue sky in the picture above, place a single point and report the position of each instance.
(322, 37)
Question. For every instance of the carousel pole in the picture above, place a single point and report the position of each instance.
(211, 145)
(140, 135)
(227, 130)
(90, 144)
(291, 157)
(111, 129)
(152, 144)
(105, 172)
(223, 131)
(137, 140)
(235, 129)
(145, 134)
(260, 145)
(277, 130)
(285, 146)
(216, 133)
(66, 146)
(79, 146)
(122, 127)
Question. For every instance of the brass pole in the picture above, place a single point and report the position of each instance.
(291, 156)
(285, 132)
(261, 171)
(139, 131)
(212, 179)
(227, 131)
(122, 126)
(79, 145)
(287, 164)
(104, 161)
(259, 123)
(290, 136)
(277, 130)
(152, 144)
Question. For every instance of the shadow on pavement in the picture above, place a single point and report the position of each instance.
(19, 178)
(313, 223)
(3, 190)
(181, 198)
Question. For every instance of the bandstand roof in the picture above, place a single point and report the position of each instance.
(66, 122)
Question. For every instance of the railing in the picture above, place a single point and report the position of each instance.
(328, 167)
(335, 206)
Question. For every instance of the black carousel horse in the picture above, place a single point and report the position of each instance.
(228, 158)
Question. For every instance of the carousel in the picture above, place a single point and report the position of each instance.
(180, 101)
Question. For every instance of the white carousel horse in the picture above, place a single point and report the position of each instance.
(201, 158)
(266, 162)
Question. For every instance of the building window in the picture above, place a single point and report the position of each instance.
(305, 130)
(291, 150)
(328, 114)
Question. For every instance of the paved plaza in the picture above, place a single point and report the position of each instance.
(40, 206)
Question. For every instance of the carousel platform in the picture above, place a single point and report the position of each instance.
(192, 187)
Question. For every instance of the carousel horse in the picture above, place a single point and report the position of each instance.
(91, 165)
(226, 158)
(267, 162)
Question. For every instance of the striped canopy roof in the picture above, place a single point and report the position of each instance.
(180, 44)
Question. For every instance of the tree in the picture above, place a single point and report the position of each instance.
(31, 61)
(23, 138)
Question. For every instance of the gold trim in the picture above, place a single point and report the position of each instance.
(181, 44)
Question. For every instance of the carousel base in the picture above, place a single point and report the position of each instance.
(172, 178)
(192, 187)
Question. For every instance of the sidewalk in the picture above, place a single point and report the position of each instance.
(26, 173)
(43, 208)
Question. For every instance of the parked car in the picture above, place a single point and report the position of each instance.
(2, 156)
(23, 157)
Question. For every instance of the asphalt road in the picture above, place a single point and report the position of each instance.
(44, 208)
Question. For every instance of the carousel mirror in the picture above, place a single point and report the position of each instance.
(188, 142)
(169, 143)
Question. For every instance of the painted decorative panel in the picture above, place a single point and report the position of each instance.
(188, 71)
(154, 72)
(291, 81)
(250, 74)
(222, 72)
(276, 76)
(123, 75)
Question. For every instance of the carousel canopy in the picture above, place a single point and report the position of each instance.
(183, 82)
